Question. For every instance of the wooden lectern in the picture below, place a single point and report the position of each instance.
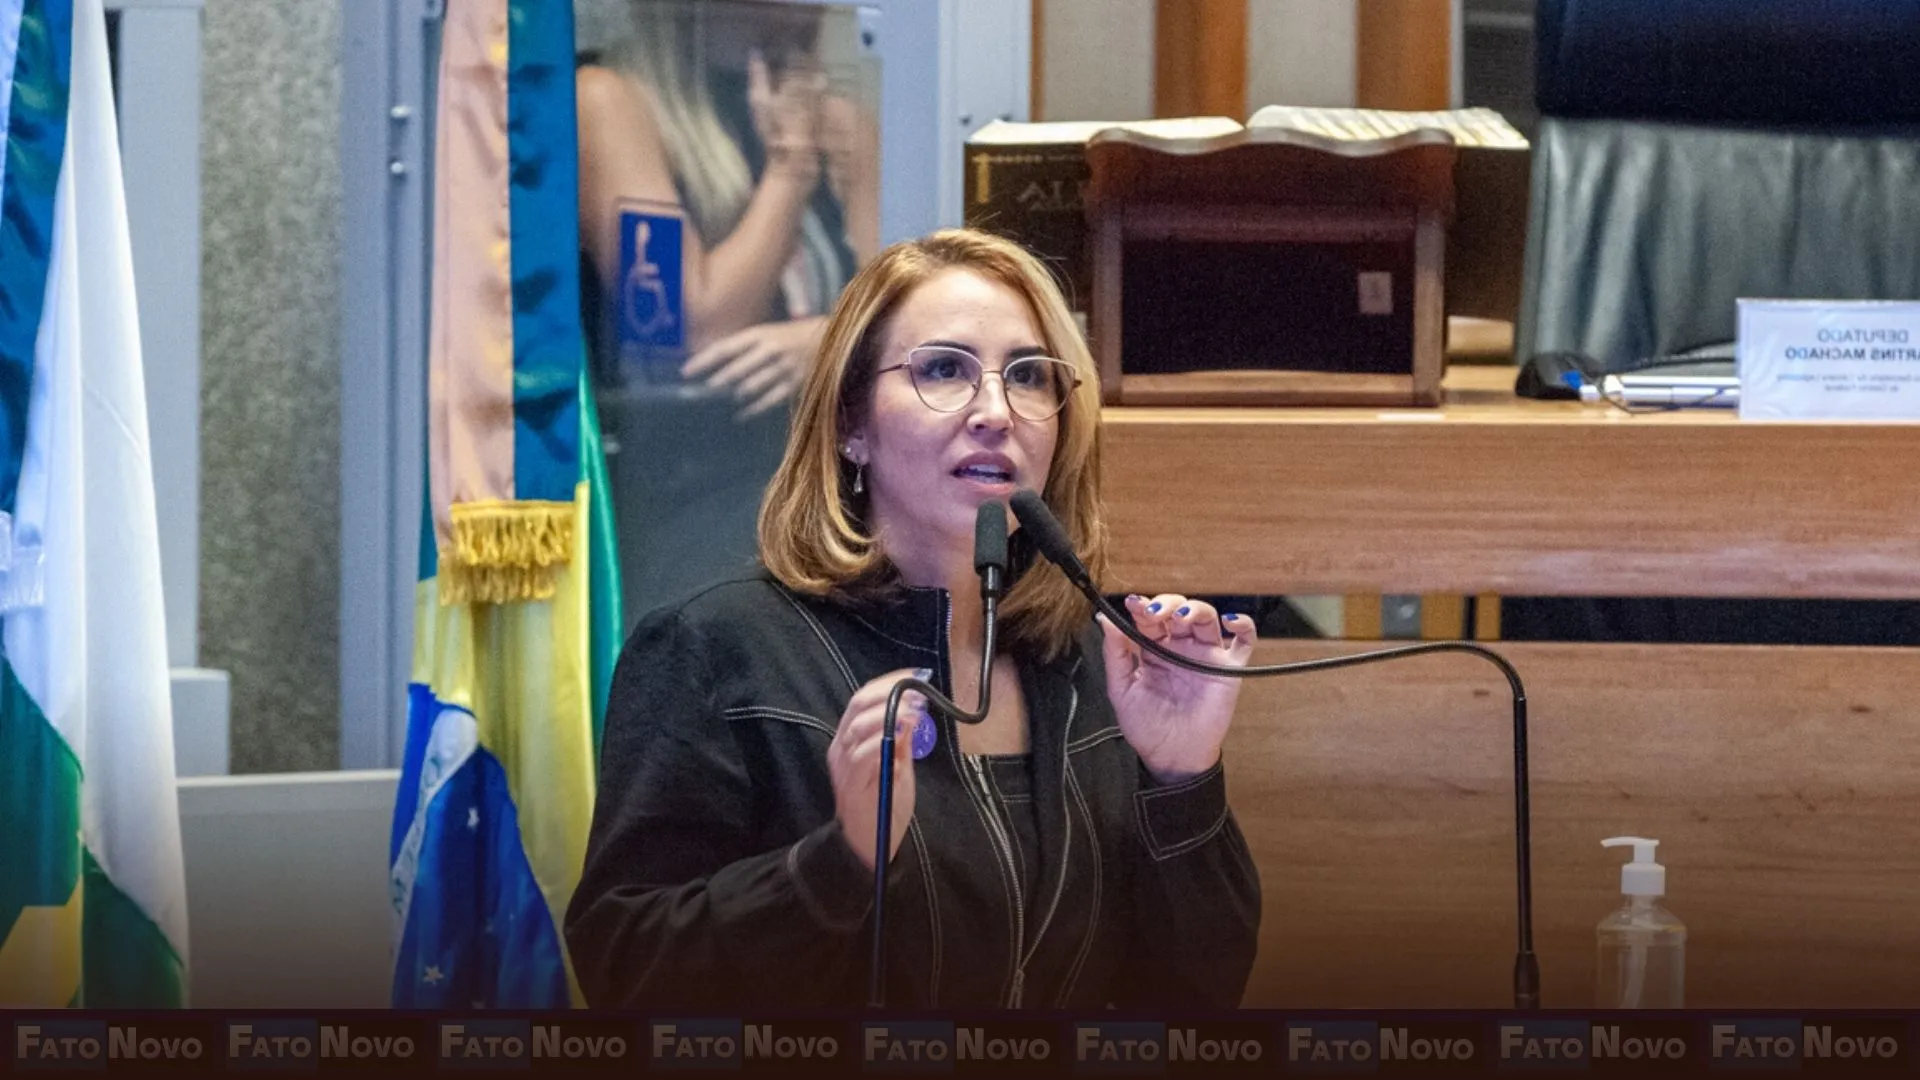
(1269, 267)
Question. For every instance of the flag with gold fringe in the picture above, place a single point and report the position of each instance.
(93, 906)
(517, 619)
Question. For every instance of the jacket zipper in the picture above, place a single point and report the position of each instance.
(996, 835)
(1066, 846)
(1003, 846)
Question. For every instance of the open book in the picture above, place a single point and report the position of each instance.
(1482, 128)
(1079, 132)
(1469, 127)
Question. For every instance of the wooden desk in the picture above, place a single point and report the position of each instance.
(1493, 494)
(1783, 783)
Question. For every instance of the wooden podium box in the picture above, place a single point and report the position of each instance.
(1269, 267)
(1027, 182)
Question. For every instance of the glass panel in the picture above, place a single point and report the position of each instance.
(729, 189)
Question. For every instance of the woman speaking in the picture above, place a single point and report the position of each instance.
(1073, 850)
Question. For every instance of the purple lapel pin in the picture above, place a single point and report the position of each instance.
(925, 734)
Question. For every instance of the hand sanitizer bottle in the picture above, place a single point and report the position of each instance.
(1643, 947)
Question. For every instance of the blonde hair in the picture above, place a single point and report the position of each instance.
(813, 537)
(667, 48)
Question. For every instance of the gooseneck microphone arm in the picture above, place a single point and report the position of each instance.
(1052, 541)
(990, 562)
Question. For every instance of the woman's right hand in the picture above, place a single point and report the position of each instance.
(786, 115)
(853, 760)
(760, 366)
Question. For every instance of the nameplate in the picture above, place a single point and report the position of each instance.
(1829, 360)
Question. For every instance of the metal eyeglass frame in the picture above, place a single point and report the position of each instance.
(1067, 394)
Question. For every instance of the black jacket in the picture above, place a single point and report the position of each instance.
(716, 874)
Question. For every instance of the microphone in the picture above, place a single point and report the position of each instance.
(990, 550)
(990, 562)
(1053, 543)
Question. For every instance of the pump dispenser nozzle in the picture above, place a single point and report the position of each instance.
(1642, 876)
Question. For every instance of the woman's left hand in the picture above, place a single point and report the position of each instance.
(1173, 718)
(761, 365)
(785, 109)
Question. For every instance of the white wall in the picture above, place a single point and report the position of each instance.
(1099, 60)
(1099, 56)
(1300, 52)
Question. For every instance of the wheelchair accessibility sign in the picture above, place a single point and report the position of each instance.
(652, 319)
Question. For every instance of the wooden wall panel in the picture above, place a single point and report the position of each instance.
(1404, 54)
(1783, 784)
(1200, 58)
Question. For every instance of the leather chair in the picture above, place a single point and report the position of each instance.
(1691, 152)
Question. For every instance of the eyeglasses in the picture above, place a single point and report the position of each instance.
(947, 380)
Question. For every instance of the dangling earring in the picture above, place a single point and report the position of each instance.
(859, 477)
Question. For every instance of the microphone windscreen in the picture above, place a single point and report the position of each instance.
(1044, 529)
(990, 538)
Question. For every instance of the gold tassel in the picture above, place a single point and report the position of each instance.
(499, 585)
(504, 552)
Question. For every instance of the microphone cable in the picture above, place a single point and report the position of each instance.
(1052, 541)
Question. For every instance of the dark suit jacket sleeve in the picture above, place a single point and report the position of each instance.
(674, 904)
(1196, 898)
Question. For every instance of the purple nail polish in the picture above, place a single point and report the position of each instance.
(1184, 611)
(1152, 609)
(925, 733)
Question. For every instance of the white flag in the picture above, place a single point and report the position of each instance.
(92, 892)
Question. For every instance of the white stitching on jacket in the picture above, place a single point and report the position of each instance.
(1006, 889)
(1088, 742)
(1093, 918)
(768, 712)
(821, 633)
(897, 641)
(933, 908)
(1160, 852)
(1188, 784)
